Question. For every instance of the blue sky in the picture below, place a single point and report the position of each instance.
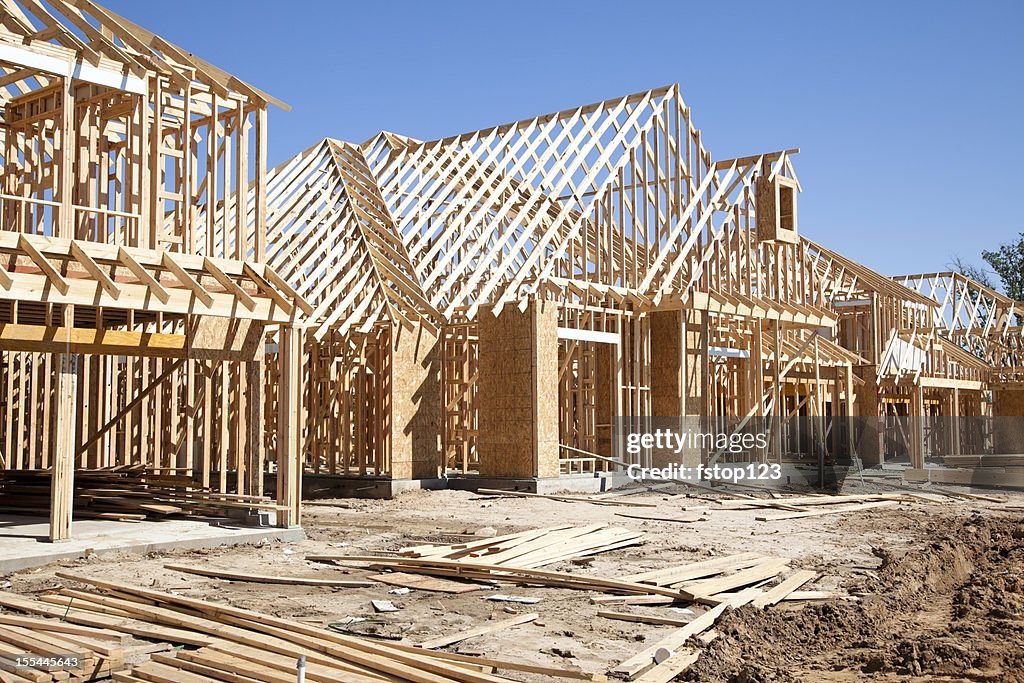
(907, 113)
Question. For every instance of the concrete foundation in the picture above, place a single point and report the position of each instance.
(23, 540)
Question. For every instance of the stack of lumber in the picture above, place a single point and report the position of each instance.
(40, 650)
(533, 548)
(241, 645)
(124, 493)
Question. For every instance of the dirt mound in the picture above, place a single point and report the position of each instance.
(953, 609)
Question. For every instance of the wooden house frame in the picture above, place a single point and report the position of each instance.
(133, 311)
(598, 254)
(917, 383)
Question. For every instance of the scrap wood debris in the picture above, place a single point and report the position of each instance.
(594, 500)
(123, 493)
(246, 577)
(241, 644)
(251, 645)
(719, 583)
(533, 548)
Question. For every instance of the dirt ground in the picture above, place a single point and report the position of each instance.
(937, 590)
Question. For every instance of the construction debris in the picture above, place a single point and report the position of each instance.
(125, 493)
(564, 498)
(533, 548)
(235, 642)
(443, 641)
(266, 578)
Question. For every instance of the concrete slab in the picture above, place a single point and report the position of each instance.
(321, 486)
(24, 544)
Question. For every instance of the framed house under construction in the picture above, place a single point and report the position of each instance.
(133, 310)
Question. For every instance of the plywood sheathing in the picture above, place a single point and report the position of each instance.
(518, 370)
(415, 404)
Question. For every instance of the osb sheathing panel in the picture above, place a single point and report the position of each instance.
(868, 437)
(1008, 434)
(225, 339)
(666, 362)
(546, 330)
(518, 415)
(415, 404)
(667, 374)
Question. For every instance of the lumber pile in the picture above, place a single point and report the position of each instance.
(533, 548)
(126, 493)
(41, 650)
(236, 644)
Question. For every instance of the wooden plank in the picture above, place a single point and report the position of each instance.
(828, 511)
(442, 641)
(659, 518)
(787, 586)
(564, 499)
(644, 660)
(745, 577)
(425, 583)
(642, 618)
(680, 661)
(565, 579)
(266, 578)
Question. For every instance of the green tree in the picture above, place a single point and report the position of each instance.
(1008, 264)
(968, 269)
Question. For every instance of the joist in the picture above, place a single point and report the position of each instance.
(44, 264)
(187, 280)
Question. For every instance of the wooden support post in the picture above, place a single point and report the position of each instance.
(850, 403)
(289, 425)
(955, 422)
(62, 479)
(255, 372)
(818, 417)
(917, 427)
(777, 408)
(66, 220)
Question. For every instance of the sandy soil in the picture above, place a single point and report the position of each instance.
(941, 587)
